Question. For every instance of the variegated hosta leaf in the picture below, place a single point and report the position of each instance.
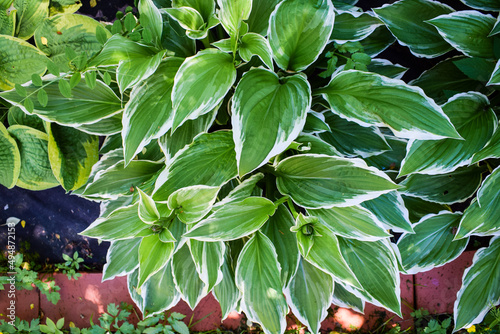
(321, 181)
(186, 279)
(123, 223)
(119, 180)
(314, 145)
(277, 229)
(480, 289)
(10, 159)
(232, 13)
(192, 203)
(323, 252)
(432, 243)
(154, 254)
(233, 220)
(19, 61)
(151, 19)
(467, 31)
(495, 76)
(85, 105)
(7, 18)
(379, 40)
(389, 160)
(255, 44)
(149, 114)
(121, 49)
(418, 208)
(226, 292)
(209, 160)
(371, 99)
(351, 222)
(159, 293)
(36, 172)
(352, 139)
(474, 120)
(286, 102)
(386, 68)
(134, 291)
(496, 28)
(147, 208)
(375, 265)
(310, 295)
(171, 143)
(208, 258)
(77, 32)
(258, 278)
(30, 14)
(482, 4)
(344, 298)
(447, 188)
(354, 26)
(406, 21)
(133, 70)
(16, 116)
(391, 211)
(258, 21)
(315, 123)
(299, 31)
(241, 191)
(482, 217)
(200, 84)
(72, 154)
(122, 258)
(490, 150)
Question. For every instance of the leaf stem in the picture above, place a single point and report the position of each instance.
(281, 201)
(292, 208)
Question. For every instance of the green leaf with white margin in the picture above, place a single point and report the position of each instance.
(200, 84)
(253, 44)
(104, 127)
(315, 123)
(386, 68)
(467, 31)
(147, 210)
(314, 145)
(77, 32)
(159, 292)
(389, 160)
(310, 295)
(149, 114)
(205, 8)
(449, 188)
(241, 191)
(122, 258)
(378, 41)
(321, 181)
(391, 211)
(324, 253)
(475, 121)
(208, 258)
(123, 223)
(35, 173)
(490, 150)
(432, 244)
(482, 217)
(232, 13)
(258, 278)
(154, 254)
(134, 70)
(72, 154)
(286, 102)
(375, 265)
(119, 48)
(192, 203)
(85, 105)
(186, 280)
(171, 143)
(151, 19)
(406, 19)
(30, 14)
(187, 17)
(258, 21)
(233, 220)
(19, 61)
(495, 76)
(353, 26)
(371, 99)
(7, 18)
(135, 293)
(209, 160)
(117, 180)
(353, 222)
(10, 159)
(483, 5)
(226, 292)
(299, 31)
(480, 289)
(342, 297)
(352, 139)
(277, 229)
(419, 208)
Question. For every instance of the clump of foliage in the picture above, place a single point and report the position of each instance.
(263, 145)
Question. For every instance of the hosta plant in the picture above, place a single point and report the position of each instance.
(261, 151)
